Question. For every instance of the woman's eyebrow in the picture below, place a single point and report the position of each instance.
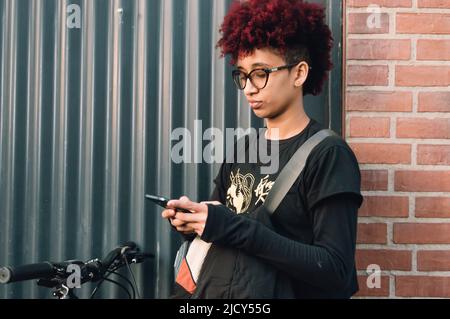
(255, 65)
(259, 64)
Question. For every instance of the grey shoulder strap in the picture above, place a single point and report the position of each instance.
(292, 170)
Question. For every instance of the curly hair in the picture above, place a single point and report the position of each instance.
(294, 28)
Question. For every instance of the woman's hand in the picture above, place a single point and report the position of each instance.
(187, 223)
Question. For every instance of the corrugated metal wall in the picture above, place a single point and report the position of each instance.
(85, 121)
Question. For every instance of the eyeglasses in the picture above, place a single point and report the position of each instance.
(258, 77)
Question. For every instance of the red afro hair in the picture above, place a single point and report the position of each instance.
(295, 29)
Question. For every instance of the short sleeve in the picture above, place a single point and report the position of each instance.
(332, 171)
(220, 184)
(222, 178)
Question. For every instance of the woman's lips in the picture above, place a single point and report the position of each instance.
(255, 105)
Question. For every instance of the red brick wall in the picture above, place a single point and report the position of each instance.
(397, 106)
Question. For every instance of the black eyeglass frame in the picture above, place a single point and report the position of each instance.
(236, 75)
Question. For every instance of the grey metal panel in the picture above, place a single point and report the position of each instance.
(335, 14)
(113, 126)
(218, 107)
(165, 82)
(327, 107)
(33, 140)
(8, 115)
(58, 156)
(192, 88)
(138, 152)
(85, 122)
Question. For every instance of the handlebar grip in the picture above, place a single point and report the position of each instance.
(26, 272)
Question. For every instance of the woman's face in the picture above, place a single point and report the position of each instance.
(282, 90)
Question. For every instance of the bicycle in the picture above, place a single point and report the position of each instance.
(56, 275)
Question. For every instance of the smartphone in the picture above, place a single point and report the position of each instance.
(162, 201)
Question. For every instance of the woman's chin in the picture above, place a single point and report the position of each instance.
(260, 113)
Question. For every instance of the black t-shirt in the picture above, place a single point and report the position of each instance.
(315, 224)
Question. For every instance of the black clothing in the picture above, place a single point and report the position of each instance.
(306, 249)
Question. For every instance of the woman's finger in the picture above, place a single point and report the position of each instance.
(168, 213)
(189, 218)
(185, 229)
(186, 203)
(177, 222)
(216, 203)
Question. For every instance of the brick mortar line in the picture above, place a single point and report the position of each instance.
(397, 141)
(372, 297)
(391, 179)
(443, 11)
(347, 125)
(405, 194)
(431, 63)
(390, 232)
(414, 259)
(401, 247)
(414, 155)
(414, 42)
(409, 273)
(405, 167)
(414, 298)
(398, 36)
(399, 115)
(393, 127)
(396, 248)
(419, 298)
(385, 89)
(392, 23)
(391, 19)
(391, 286)
(411, 115)
(411, 206)
(391, 73)
(396, 220)
(415, 102)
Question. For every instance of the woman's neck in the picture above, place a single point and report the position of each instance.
(289, 124)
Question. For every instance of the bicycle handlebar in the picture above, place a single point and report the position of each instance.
(26, 272)
(90, 271)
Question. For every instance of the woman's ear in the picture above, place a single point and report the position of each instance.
(301, 73)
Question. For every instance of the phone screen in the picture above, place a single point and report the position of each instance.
(162, 201)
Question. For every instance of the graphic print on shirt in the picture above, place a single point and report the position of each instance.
(263, 189)
(239, 194)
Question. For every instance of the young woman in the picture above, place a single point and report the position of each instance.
(306, 249)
